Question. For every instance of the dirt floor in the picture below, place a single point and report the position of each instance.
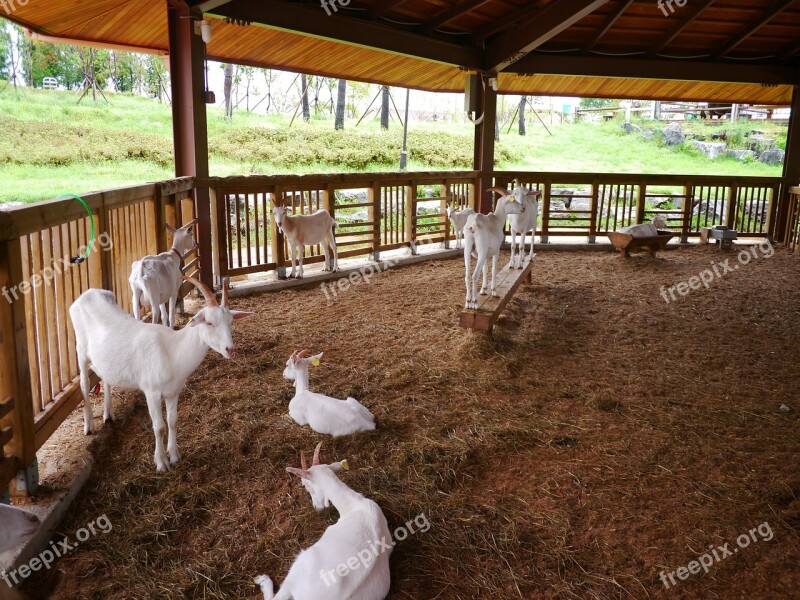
(602, 437)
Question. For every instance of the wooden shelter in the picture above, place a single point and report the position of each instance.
(708, 50)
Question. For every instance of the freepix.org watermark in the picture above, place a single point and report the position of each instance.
(665, 5)
(366, 556)
(330, 5)
(717, 270)
(47, 557)
(705, 561)
(9, 6)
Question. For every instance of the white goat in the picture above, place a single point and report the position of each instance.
(523, 223)
(360, 540)
(15, 525)
(646, 229)
(156, 360)
(459, 218)
(324, 414)
(155, 280)
(307, 230)
(484, 235)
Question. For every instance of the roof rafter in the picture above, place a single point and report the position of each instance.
(609, 23)
(773, 12)
(683, 24)
(649, 68)
(381, 8)
(451, 14)
(536, 30)
(314, 21)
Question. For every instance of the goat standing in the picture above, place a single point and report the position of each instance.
(360, 537)
(484, 234)
(128, 353)
(523, 223)
(459, 218)
(307, 230)
(155, 280)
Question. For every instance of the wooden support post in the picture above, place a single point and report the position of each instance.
(730, 206)
(15, 376)
(189, 120)
(791, 170)
(329, 203)
(641, 203)
(443, 204)
(374, 217)
(484, 147)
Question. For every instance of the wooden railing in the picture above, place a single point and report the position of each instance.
(41, 274)
(792, 236)
(375, 212)
(593, 204)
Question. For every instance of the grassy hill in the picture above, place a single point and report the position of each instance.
(49, 145)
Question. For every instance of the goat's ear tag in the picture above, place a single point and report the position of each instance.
(315, 362)
(345, 465)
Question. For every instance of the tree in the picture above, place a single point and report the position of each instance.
(385, 107)
(304, 97)
(5, 49)
(249, 73)
(228, 90)
(340, 104)
(595, 102)
(523, 101)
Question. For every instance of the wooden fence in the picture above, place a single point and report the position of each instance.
(375, 212)
(41, 276)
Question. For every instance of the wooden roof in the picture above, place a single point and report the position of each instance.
(719, 50)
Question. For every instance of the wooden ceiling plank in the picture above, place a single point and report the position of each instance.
(313, 21)
(683, 24)
(451, 14)
(536, 30)
(609, 23)
(740, 37)
(508, 20)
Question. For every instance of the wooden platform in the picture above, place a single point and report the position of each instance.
(489, 307)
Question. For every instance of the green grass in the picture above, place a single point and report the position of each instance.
(50, 145)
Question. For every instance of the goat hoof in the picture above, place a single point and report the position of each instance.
(108, 420)
(174, 458)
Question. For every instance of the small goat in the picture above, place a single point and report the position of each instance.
(360, 539)
(523, 223)
(322, 413)
(483, 234)
(156, 360)
(646, 229)
(155, 280)
(307, 230)
(459, 218)
(15, 525)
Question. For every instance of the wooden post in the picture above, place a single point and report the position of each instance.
(329, 202)
(276, 243)
(15, 377)
(189, 119)
(730, 206)
(791, 170)
(484, 147)
(641, 203)
(546, 212)
(411, 222)
(688, 200)
(374, 217)
(593, 212)
(443, 204)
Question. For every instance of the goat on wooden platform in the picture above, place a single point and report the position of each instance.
(308, 230)
(523, 223)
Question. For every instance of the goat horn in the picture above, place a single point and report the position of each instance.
(225, 283)
(211, 299)
(303, 463)
(191, 223)
(316, 455)
(302, 353)
(499, 190)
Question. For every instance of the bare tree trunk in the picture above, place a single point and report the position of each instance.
(304, 99)
(385, 107)
(497, 129)
(522, 102)
(340, 104)
(228, 89)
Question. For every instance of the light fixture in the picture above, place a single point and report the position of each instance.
(203, 29)
(493, 83)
